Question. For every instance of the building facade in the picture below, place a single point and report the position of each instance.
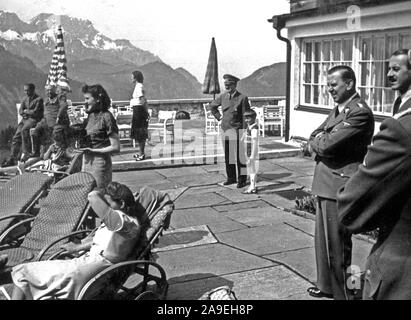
(361, 34)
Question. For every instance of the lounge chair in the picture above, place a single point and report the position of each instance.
(19, 195)
(64, 210)
(111, 283)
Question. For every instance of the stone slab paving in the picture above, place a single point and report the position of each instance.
(277, 200)
(267, 187)
(260, 216)
(198, 180)
(273, 283)
(185, 238)
(226, 226)
(263, 251)
(268, 239)
(182, 171)
(143, 177)
(238, 206)
(235, 195)
(301, 260)
(182, 218)
(199, 200)
(207, 261)
(175, 193)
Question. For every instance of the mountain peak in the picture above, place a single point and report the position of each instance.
(36, 41)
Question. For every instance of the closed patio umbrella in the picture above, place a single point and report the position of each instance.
(57, 76)
(211, 84)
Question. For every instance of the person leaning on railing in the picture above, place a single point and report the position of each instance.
(102, 133)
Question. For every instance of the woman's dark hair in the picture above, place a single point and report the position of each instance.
(120, 192)
(138, 76)
(99, 94)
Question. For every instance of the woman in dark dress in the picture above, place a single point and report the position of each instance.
(139, 124)
(102, 134)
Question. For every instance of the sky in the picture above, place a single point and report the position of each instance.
(180, 31)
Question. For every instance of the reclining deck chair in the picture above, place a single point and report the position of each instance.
(64, 210)
(110, 283)
(19, 195)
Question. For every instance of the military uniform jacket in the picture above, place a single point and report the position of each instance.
(379, 196)
(340, 144)
(233, 110)
(33, 107)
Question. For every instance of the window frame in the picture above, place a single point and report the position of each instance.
(383, 108)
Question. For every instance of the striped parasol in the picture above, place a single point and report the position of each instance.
(58, 69)
(211, 84)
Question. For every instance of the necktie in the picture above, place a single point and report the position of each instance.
(397, 104)
(337, 112)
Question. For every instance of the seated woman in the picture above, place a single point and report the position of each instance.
(56, 158)
(113, 242)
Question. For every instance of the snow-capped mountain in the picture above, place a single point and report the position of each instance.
(35, 40)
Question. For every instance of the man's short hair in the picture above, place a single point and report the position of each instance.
(347, 73)
(31, 86)
(250, 113)
(406, 52)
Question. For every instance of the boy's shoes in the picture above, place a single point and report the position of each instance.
(250, 191)
(139, 157)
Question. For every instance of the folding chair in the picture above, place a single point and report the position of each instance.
(64, 210)
(166, 120)
(19, 195)
(111, 283)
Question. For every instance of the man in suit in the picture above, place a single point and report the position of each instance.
(340, 144)
(398, 78)
(378, 195)
(31, 110)
(233, 104)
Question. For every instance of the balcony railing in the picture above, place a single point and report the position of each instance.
(193, 106)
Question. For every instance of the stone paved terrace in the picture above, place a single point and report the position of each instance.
(219, 236)
(192, 146)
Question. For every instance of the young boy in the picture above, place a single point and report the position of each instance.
(250, 138)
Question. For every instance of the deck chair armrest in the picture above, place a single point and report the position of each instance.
(56, 241)
(52, 171)
(6, 233)
(16, 215)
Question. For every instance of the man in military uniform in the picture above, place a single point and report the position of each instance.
(55, 113)
(233, 104)
(378, 195)
(340, 144)
(31, 110)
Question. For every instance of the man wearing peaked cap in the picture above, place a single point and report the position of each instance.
(230, 78)
(233, 105)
